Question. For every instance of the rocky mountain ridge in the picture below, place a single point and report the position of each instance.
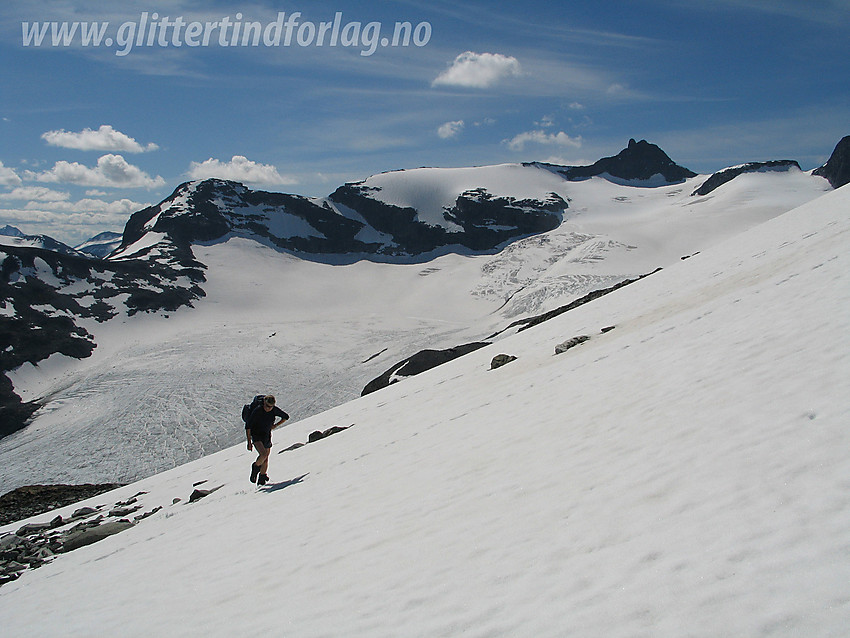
(47, 291)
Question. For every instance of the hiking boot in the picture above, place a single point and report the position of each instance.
(254, 471)
(264, 478)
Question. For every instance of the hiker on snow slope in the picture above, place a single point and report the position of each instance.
(258, 431)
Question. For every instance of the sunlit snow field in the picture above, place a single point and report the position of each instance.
(684, 474)
(159, 392)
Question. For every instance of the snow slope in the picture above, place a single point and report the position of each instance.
(684, 474)
(159, 392)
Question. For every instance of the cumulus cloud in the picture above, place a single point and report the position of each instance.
(120, 207)
(450, 129)
(8, 177)
(111, 171)
(35, 193)
(105, 138)
(239, 169)
(518, 142)
(71, 222)
(478, 70)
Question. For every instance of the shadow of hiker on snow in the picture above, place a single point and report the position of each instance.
(274, 487)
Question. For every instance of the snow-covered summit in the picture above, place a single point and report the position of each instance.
(384, 216)
(100, 245)
(11, 236)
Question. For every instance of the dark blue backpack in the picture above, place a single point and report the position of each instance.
(256, 402)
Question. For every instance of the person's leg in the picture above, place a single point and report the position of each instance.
(262, 461)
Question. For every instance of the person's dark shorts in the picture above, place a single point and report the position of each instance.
(262, 437)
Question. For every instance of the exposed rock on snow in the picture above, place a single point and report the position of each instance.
(319, 435)
(84, 537)
(837, 168)
(501, 359)
(197, 494)
(571, 343)
(477, 220)
(728, 174)
(418, 363)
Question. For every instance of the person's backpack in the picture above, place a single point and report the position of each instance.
(250, 407)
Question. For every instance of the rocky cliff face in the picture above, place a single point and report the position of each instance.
(352, 220)
(728, 174)
(837, 168)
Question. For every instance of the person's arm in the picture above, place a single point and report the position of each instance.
(248, 431)
(283, 418)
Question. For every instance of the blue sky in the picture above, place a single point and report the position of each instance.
(90, 134)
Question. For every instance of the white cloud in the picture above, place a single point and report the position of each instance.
(450, 129)
(478, 70)
(105, 138)
(8, 177)
(546, 121)
(239, 169)
(560, 160)
(118, 207)
(111, 171)
(35, 193)
(518, 142)
(71, 222)
(576, 106)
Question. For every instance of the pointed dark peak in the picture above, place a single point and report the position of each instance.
(639, 161)
(837, 168)
(11, 231)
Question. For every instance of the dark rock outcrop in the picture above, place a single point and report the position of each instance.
(32, 500)
(323, 434)
(212, 209)
(837, 168)
(84, 537)
(501, 359)
(638, 161)
(316, 436)
(486, 221)
(420, 362)
(728, 174)
(34, 544)
(571, 343)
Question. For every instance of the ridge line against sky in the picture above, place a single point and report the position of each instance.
(89, 135)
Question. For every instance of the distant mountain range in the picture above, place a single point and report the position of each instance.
(48, 289)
